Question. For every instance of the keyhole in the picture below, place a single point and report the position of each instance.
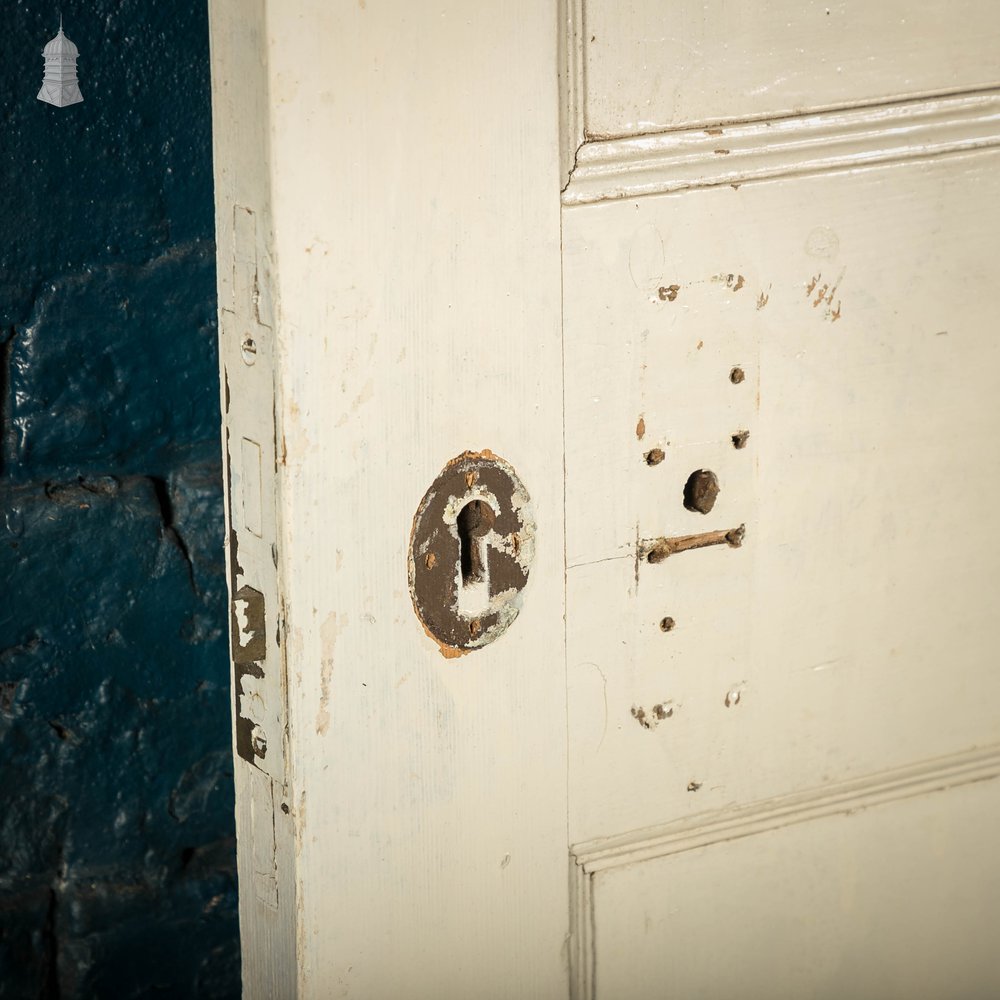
(475, 520)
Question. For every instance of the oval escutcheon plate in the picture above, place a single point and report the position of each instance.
(471, 547)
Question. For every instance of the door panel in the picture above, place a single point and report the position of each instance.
(889, 904)
(852, 629)
(653, 65)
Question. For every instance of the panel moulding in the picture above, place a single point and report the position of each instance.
(733, 154)
(582, 952)
(979, 764)
(572, 93)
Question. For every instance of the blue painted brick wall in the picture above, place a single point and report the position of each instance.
(117, 850)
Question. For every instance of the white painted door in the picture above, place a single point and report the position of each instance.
(612, 454)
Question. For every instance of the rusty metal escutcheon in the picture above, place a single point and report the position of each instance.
(471, 547)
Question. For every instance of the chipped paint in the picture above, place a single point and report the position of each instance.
(651, 718)
(734, 282)
(249, 646)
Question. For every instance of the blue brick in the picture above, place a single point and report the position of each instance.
(117, 877)
(116, 369)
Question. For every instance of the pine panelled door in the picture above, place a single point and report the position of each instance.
(613, 449)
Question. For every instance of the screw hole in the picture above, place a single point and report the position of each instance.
(740, 439)
(655, 456)
(248, 349)
(667, 624)
(737, 375)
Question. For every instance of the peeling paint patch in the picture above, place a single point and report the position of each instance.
(249, 639)
(734, 282)
(651, 718)
(249, 645)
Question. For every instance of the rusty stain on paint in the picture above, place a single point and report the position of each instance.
(640, 428)
(668, 293)
(825, 294)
